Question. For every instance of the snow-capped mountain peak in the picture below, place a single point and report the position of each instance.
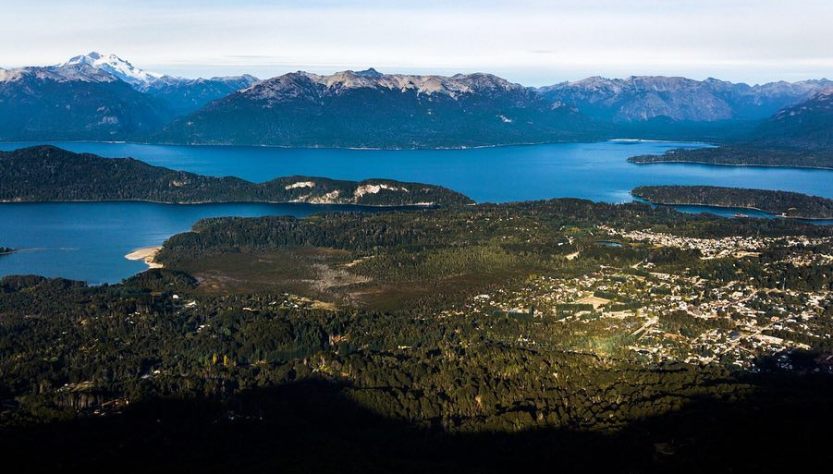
(116, 66)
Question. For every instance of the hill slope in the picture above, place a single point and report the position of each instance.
(808, 125)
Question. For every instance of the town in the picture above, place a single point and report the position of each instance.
(657, 316)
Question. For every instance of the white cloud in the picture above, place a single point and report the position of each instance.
(530, 41)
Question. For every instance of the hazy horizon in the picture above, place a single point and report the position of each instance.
(528, 41)
(215, 71)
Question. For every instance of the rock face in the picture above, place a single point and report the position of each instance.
(643, 98)
(808, 125)
(370, 109)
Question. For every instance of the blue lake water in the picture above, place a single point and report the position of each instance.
(88, 241)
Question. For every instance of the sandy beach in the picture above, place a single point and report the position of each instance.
(146, 254)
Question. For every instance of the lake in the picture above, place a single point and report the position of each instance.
(89, 241)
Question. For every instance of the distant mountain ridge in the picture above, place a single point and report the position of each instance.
(103, 97)
(99, 97)
(370, 109)
(642, 98)
(181, 95)
(73, 101)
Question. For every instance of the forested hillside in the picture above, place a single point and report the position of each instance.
(737, 155)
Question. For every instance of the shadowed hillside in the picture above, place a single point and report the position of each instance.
(313, 427)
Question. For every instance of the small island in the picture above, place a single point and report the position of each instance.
(742, 156)
(48, 173)
(781, 203)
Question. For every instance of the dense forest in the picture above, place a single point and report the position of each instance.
(745, 155)
(264, 381)
(781, 203)
(47, 173)
(465, 339)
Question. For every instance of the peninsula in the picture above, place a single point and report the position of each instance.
(48, 173)
(742, 156)
(782, 203)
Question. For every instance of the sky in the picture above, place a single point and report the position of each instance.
(533, 42)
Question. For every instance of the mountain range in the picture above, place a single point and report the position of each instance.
(103, 97)
(99, 97)
(369, 109)
(181, 95)
(680, 99)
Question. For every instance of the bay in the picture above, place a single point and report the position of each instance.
(88, 241)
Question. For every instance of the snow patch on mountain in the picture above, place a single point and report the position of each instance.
(9, 75)
(71, 73)
(116, 66)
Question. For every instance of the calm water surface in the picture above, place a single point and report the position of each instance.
(88, 241)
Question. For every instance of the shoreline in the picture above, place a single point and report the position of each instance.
(619, 140)
(731, 165)
(147, 255)
(208, 203)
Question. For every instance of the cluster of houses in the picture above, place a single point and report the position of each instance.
(668, 316)
(732, 246)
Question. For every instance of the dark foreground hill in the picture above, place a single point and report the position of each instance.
(47, 173)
